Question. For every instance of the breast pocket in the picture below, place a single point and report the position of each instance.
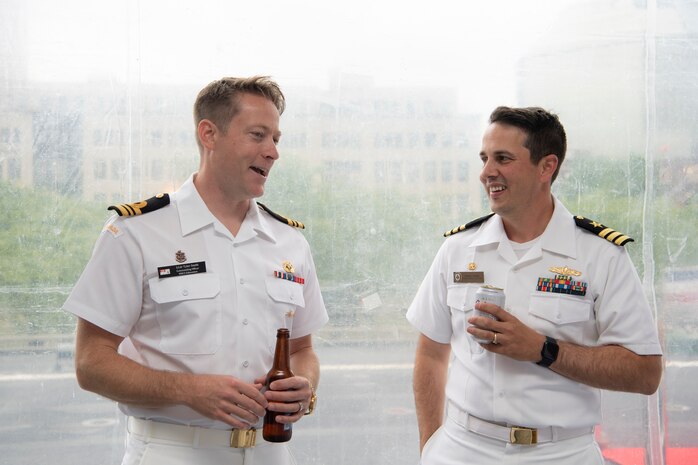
(188, 312)
(461, 299)
(562, 316)
(285, 299)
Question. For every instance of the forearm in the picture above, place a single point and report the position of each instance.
(305, 363)
(101, 369)
(429, 384)
(609, 367)
(429, 398)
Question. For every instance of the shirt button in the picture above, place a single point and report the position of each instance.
(244, 322)
(245, 363)
(185, 292)
(242, 280)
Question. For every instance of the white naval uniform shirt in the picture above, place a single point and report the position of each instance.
(221, 321)
(613, 310)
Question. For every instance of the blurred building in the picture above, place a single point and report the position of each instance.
(109, 142)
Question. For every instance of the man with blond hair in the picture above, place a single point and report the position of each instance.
(179, 306)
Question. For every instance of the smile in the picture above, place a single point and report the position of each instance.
(260, 171)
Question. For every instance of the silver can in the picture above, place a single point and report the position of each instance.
(491, 295)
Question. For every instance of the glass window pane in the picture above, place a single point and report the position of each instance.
(379, 156)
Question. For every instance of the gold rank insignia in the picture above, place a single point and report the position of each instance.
(600, 230)
(283, 219)
(144, 206)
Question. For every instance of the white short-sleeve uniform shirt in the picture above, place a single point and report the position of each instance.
(188, 296)
(607, 307)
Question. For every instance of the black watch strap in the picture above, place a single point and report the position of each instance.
(548, 352)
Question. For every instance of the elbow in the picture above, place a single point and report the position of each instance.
(652, 376)
(84, 373)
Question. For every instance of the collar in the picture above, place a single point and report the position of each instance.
(558, 237)
(192, 210)
(256, 224)
(195, 215)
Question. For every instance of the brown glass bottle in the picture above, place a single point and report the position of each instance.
(274, 431)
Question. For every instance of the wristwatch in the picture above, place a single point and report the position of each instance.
(313, 400)
(548, 352)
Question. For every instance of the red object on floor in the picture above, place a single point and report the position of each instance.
(636, 456)
(628, 456)
(682, 456)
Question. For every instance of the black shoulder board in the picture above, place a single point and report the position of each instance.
(144, 206)
(465, 226)
(600, 230)
(283, 219)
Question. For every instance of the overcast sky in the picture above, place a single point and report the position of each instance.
(470, 45)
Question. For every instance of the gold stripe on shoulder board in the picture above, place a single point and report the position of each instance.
(469, 225)
(144, 206)
(281, 218)
(610, 234)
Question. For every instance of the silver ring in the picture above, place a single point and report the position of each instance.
(494, 341)
(300, 406)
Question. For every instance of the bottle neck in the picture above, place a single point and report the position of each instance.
(281, 353)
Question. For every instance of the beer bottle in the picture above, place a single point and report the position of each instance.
(274, 431)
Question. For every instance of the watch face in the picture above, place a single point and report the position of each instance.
(549, 352)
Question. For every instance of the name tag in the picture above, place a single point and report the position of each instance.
(466, 277)
(181, 270)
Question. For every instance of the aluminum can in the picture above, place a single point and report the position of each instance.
(492, 295)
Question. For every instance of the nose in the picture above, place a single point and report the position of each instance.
(488, 171)
(271, 151)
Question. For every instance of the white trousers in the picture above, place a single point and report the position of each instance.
(453, 444)
(149, 451)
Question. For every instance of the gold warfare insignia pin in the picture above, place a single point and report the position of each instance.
(565, 271)
(288, 266)
(180, 257)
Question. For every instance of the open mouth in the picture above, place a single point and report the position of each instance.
(497, 189)
(260, 171)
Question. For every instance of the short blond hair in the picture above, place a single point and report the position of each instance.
(218, 101)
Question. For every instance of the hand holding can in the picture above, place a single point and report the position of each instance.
(492, 295)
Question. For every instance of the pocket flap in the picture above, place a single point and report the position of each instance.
(195, 286)
(559, 308)
(281, 290)
(461, 297)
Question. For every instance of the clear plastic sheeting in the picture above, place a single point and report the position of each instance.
(387, 102)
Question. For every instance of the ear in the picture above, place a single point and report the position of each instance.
(207, 131)
(548, 165)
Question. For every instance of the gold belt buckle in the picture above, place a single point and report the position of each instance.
(243, 438)
(523, 436)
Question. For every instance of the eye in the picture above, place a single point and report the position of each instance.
(257, 134)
